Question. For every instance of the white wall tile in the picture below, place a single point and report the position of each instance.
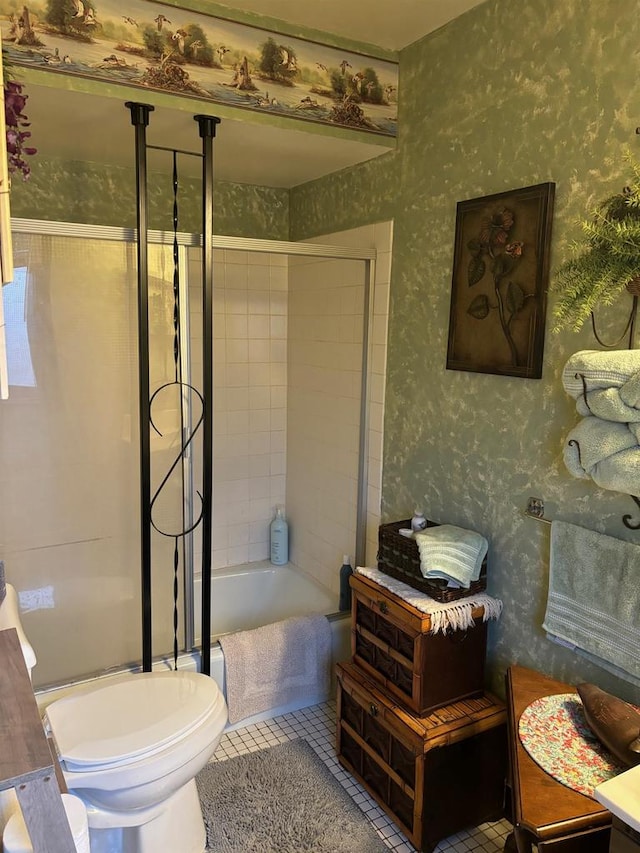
(259, 350)
(237, 350)
(259, 374)
(258, 302)
(258, 278)
(259, 464)
(238, 422)
(236, 277)
(236, 398)
(259, 326)
(259, 397)
(236, 327)
(236, 302)
(260, 420)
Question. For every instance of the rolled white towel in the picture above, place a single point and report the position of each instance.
(592, 441)
(619, 473)
(613, 404)
(603, 369)
(600, 369)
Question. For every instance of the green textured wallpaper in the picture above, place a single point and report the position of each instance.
(491, 102)
(97, 195)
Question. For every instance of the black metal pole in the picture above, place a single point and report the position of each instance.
(140, 121)
(207, 128)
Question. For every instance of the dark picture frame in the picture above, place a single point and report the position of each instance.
(500, 280)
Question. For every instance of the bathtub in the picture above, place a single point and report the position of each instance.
(242, 598)
(256, 594)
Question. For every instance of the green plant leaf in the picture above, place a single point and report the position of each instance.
(474, 245)
(606, 258)
(479, 308)
(477, 268)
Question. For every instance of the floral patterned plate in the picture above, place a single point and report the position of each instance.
(555, 733)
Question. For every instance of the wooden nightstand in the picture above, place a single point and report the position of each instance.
(545, 812)
(391, 641)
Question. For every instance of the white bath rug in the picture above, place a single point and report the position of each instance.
(281, 800)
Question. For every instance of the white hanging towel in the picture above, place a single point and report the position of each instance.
(594, 597)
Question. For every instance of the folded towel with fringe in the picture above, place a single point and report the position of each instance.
(277, 664)
(594, 597)
(445, 617)
(606, 452)
(452, 553)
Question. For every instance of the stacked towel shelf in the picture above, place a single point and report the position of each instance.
(605, 444)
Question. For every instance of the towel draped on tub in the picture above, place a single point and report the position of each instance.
(277, 664)
(594, 597)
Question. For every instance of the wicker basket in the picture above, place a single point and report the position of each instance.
(398, 556)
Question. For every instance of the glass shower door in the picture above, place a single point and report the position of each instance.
(69, 453)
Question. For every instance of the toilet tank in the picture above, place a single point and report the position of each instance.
(10, 618)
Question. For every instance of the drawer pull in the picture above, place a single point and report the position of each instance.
(382, 607)
(373, 710)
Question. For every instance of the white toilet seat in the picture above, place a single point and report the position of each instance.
(131, 719)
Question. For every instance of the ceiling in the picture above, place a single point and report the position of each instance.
(392, 24)
(86, 127)
(98, 129)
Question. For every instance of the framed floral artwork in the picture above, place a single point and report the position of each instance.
(500, 280)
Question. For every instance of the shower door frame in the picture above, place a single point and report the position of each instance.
(186, 241)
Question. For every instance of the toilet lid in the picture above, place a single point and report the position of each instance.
(130, 717)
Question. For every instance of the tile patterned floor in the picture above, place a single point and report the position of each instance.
(317, 725)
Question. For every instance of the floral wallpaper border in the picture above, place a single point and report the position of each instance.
(176, 50)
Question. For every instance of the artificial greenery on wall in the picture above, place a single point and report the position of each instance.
(606, 261)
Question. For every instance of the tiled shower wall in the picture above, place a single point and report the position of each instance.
(287, 376)
(325, 343)
(326, 298)
(250, 399)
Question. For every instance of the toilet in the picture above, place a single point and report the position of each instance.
(130, 749)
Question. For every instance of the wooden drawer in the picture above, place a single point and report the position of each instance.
(434, 775)
(392, 643)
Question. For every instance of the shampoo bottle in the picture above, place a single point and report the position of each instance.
(279, 539)
(345, 590)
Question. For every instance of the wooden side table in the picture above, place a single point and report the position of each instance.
(26, 762)
(546, 812)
